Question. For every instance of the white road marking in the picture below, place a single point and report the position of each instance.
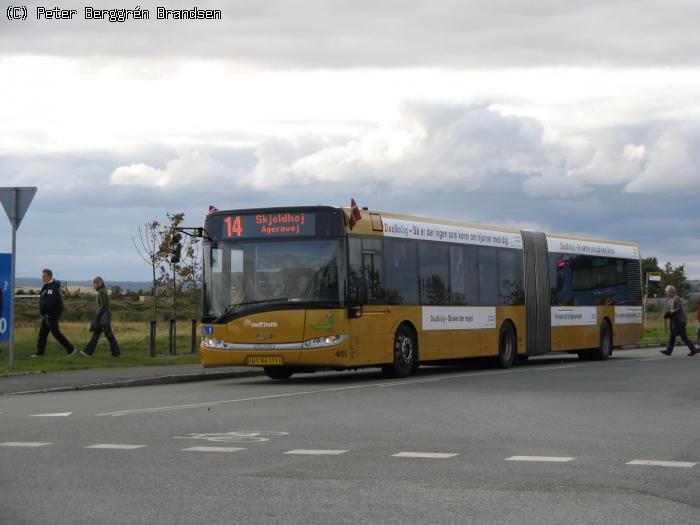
(653, 463)
(115, 446)
(57, 414)
(312, 452)
(238, 436)
(428, 455)
(23, 444)
(413, 382)
(547, 459)
(326, 390)
(212, 449)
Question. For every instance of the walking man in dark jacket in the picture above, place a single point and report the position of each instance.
(51, 308)
(679, 321)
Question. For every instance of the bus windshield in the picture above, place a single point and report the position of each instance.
(240, 276)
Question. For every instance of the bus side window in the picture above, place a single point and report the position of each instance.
(434, 272)
(401, 277)
(561, 275)
(457, 275)
(510, 275)
(373, 269)
(471, 266)
(488, 275)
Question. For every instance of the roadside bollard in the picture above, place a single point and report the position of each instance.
(152, 344)
(171, 337)
(193, 341)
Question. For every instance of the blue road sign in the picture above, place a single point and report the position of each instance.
(6, 300)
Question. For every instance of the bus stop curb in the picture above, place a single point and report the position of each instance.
(146, 381)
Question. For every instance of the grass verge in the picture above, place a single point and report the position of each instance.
(132, 337)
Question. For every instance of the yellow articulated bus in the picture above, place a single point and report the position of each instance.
(307, 288)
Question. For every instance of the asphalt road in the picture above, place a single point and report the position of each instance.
(550, 441)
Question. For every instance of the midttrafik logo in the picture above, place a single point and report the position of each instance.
(260, 324)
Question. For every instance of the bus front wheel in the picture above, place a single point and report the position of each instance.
(405, 354)
(278, 372)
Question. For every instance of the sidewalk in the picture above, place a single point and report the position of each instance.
(92, 378)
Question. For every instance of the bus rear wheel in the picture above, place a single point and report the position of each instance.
(507, 346)
(405, 354)
(278, 372)
(604, 349)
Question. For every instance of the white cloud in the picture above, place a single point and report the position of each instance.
(633, 152)
(430, 143)
(673, 166)
(446, 146)
(183, 171)
(138, 175)
(110, 105)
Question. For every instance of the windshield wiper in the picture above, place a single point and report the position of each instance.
(272, 300)
(231, 308)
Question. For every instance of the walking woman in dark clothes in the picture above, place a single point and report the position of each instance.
(101, 321)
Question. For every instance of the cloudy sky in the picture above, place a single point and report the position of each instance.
(574, 117)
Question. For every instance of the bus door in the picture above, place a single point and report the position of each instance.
(368, 325)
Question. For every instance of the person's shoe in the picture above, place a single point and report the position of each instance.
(73, 352)
(116, 355)
(692, 353)
(82, 352)
(666, 352)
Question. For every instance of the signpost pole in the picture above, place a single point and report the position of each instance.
(13, 221)
(644, 300)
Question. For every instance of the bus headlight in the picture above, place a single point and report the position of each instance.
(328, 340)
(210, 342)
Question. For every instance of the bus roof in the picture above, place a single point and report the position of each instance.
(364, 226)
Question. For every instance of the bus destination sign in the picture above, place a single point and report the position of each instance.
(285, 224)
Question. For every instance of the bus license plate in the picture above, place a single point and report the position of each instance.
(265, 360)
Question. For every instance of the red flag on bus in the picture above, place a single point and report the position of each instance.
(355, 214)
(212, 209)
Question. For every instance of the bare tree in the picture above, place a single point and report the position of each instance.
(147, 242)
(183, 275)
(190, 268)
